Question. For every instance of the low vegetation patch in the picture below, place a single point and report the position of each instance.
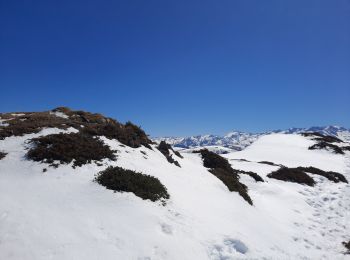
(128, 134)
(347, 246)
(269, 163)
(326, 142)
(292, 175)
(123, 180)
(66, 148)
(332, 176)
(165, 149)
(88, 123)
(28, 123)
(320, 137)
(254, 175)
(213, 160)
(327, 146)
(300, 175)
(222, 169)
(2, 155)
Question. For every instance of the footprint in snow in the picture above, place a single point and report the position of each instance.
(228, 249)
(166, 229)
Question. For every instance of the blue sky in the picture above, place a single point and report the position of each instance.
(180, 67)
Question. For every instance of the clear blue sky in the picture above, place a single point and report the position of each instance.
(180, 67)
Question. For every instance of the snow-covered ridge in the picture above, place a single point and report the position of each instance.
(62, 213)
(238, 140)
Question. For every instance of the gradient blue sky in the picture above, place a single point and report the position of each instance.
(180, 67)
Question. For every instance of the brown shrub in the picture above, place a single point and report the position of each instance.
(164, 148)
(87, 123)
(143, 186)
(323, 145)
(347, 246)
(269, 163)
(292, 175)
(320, 137)
(221, 168)
(326, 142)
(65, 148)
(31, 123)
(2, 155)
(332, 176)
(213, 160)
(254, 175)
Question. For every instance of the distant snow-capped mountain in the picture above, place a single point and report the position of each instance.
(238, 140)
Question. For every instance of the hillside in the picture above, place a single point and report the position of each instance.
(78, 185)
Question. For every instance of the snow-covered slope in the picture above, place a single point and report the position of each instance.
(237, 140)
(63, 214)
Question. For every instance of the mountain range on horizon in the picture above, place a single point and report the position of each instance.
(238, 140)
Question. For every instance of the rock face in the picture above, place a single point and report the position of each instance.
(79, 185)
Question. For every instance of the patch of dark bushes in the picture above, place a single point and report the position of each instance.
(123, 180)
(222, 169)
(242, 160)
(87, 123)
(269, 163)
(2, 155)
(300, 175)
(323, 145)
(332, 176)
(165, 149)
(292, 175)
(347, 246)
(31, 123)
(213, 160)
(326, 142)
(65, 148)
(128, 134)
(254, 175)
(320, 137)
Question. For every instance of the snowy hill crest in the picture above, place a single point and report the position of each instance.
(78, 185)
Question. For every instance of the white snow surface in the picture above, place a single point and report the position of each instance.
(59, 114)
(2, 122)
(64, 214)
